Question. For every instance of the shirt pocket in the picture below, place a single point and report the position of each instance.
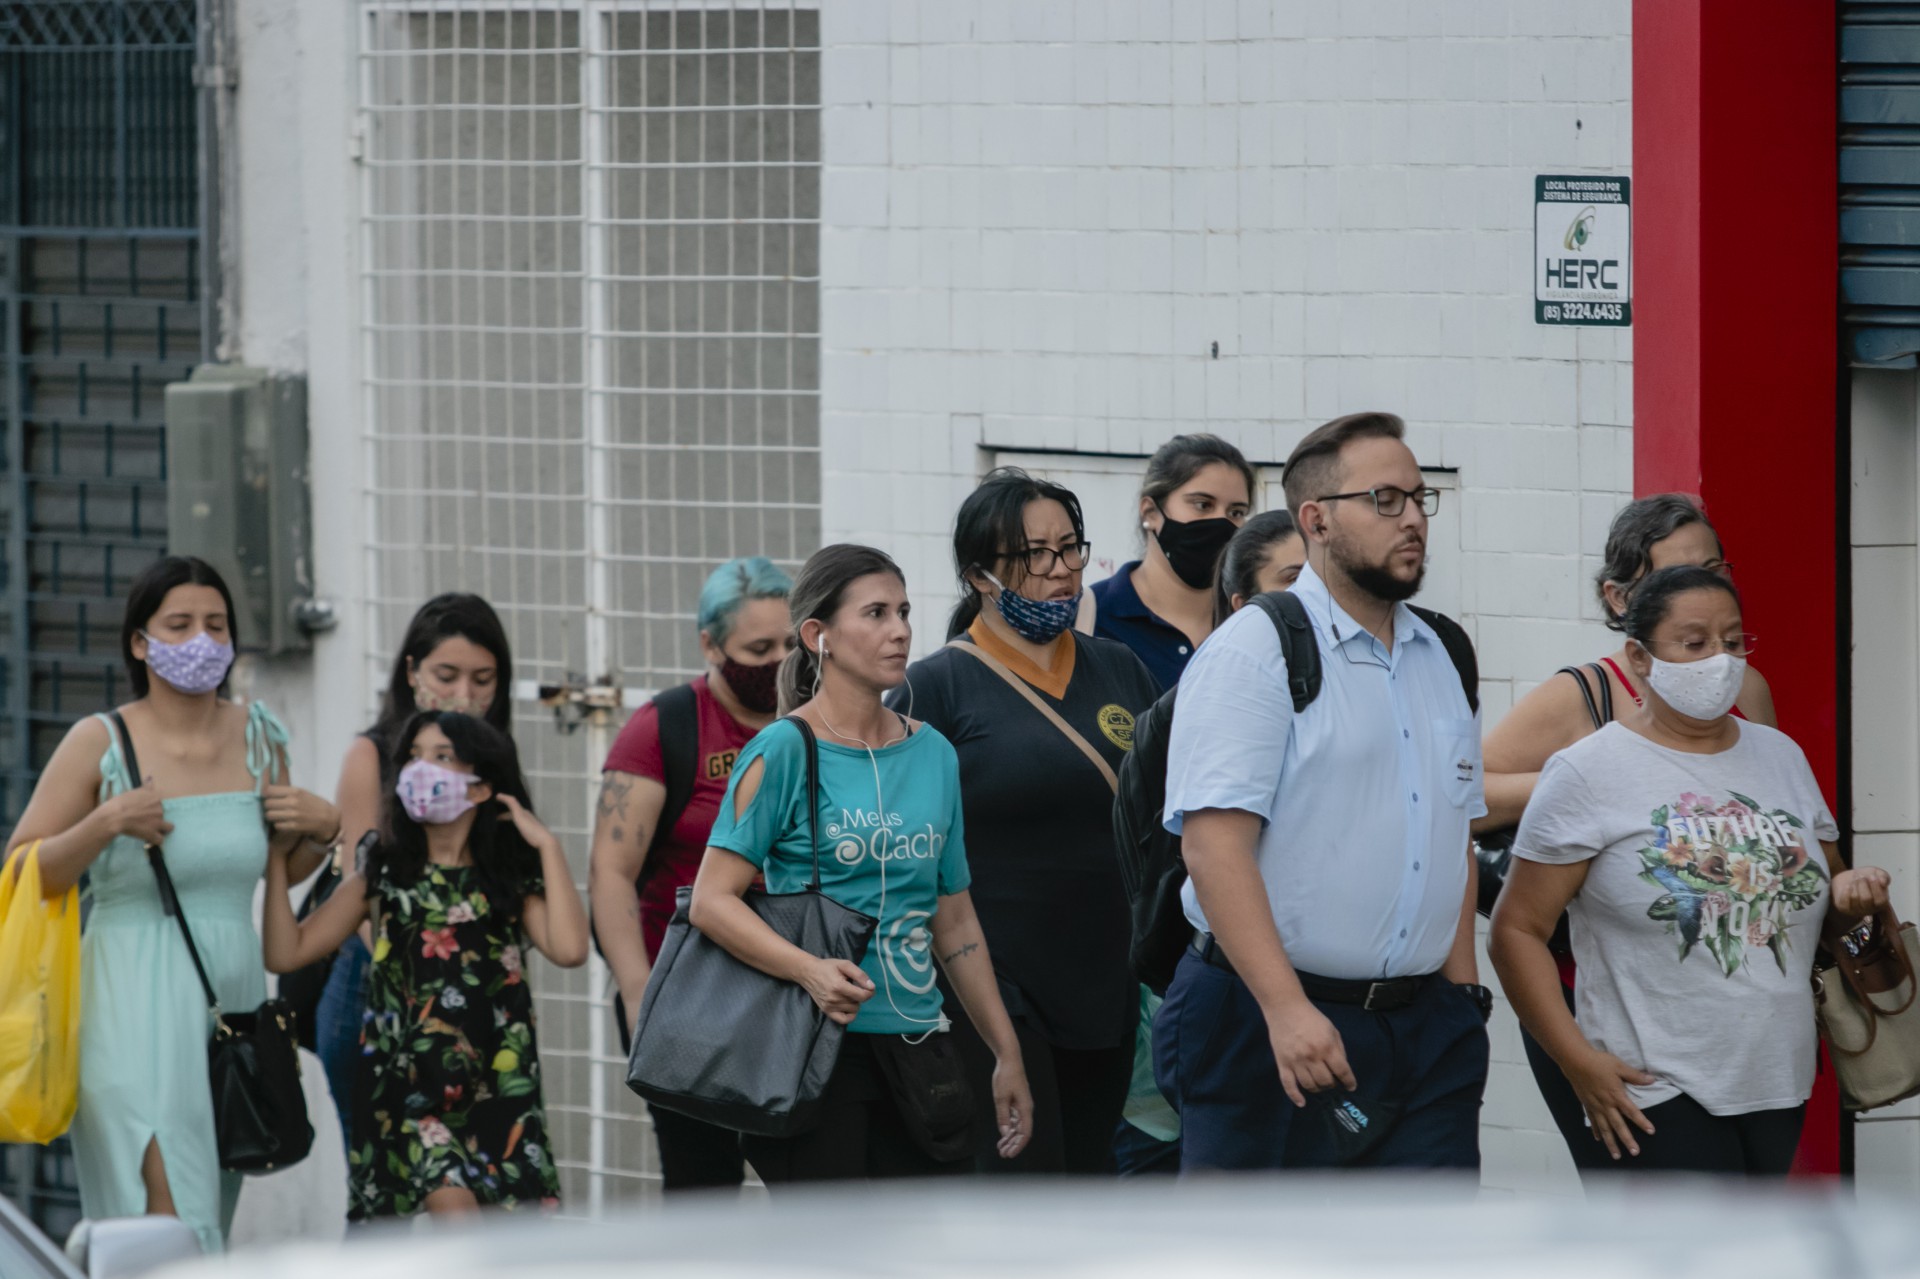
(1456, 744)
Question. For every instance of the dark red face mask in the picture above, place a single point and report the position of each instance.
(757, 687)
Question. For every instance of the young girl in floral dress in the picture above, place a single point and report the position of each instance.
(447, 1111)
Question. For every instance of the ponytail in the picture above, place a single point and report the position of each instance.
(799, 672)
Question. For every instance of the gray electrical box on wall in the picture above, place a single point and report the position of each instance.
(237, 495)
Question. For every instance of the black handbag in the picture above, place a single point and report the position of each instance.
(253, 1059)
(721, 1041)
(303, 988)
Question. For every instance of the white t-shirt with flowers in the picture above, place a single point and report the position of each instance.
(1696, 928)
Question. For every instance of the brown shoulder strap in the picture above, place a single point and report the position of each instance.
(999, 668)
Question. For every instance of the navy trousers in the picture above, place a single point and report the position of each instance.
(1421, 1071)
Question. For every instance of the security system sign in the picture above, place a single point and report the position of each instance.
(1582, 242)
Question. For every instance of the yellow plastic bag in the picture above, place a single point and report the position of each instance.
(39, 1003)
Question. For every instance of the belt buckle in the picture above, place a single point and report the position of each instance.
(1373, 988)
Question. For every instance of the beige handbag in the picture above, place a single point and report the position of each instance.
(1865, 1007)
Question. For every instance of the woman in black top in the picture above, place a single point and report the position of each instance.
(1039, 810)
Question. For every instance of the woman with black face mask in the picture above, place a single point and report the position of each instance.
(679, 750)
(1041, 719)
(1198, 490)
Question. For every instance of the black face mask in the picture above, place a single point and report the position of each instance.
(1193, 547)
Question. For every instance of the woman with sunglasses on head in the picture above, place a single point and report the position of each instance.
(1198, 489)
(889, 807)
(1696, 856)
(1665, 530)
(453, 657)
(1039, 808)
(212, 800)
(642, 856)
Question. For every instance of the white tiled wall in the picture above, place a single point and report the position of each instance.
(1885, 500)
(1041, 215)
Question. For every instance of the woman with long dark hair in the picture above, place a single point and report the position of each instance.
(447, 1110)
(1198, 489)
(213, 800)
(1039, 808)
(889, 793)
(453, 657)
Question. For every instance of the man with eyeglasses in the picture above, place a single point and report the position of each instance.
(1328, 1011)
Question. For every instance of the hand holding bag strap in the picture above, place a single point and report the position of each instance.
(1886, 926)
(813, 796)
(169, 899)
(1019, 685)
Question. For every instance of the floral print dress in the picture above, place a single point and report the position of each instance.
(448, 1091)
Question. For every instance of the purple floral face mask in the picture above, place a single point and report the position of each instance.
(433, 794)
(197, 666)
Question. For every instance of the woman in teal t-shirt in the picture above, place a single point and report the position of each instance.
(890, 821)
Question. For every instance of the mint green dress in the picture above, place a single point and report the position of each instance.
(143, 1017)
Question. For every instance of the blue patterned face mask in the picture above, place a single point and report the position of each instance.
(1037, 621)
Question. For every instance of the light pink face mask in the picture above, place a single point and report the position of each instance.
(433, 794)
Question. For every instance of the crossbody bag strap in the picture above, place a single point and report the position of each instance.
(813, 796)
(169, 899)
(1019, 685)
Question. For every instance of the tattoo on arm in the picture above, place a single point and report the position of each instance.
(613, 795)
(962, 953)
(618, 835)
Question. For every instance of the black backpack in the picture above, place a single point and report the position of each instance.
(679, 716)
(1150, 863)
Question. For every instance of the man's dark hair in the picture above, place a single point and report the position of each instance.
(1313, 468)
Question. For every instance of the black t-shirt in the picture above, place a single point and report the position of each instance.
(1046, 879)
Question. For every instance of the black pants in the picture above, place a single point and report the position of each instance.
(1688, 1139)
(1078, 1095)
(860, 1136)
(1569, 1116)
(1424, 1065)
(694, 1154)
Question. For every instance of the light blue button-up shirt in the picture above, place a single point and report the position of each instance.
(1365, 797)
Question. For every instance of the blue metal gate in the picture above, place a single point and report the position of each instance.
(100, 307)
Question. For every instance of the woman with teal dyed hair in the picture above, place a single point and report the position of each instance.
(660, 790)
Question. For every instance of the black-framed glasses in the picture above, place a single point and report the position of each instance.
(1390, 501)
(1696, 649)
(1041, 559)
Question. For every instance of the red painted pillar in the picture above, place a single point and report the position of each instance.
(1735, 358)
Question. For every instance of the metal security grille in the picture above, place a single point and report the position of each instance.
(590, 296)
(1880, 182)
(99, 307)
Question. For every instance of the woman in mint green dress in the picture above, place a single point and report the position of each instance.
(143, 1136)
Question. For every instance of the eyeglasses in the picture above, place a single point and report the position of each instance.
(1041, 559)
(1696, 649)
(1390, 501)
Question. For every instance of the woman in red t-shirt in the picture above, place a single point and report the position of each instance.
(642, 855)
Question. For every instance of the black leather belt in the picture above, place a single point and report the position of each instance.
(1373, 996)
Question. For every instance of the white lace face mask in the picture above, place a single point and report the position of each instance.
(1706, 689)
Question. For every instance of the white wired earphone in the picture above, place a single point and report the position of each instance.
(920, 934)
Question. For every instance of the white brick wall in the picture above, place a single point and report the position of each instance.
(1885, 486)
(1039, 216)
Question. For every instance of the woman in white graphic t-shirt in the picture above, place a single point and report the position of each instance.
(1695, 856)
